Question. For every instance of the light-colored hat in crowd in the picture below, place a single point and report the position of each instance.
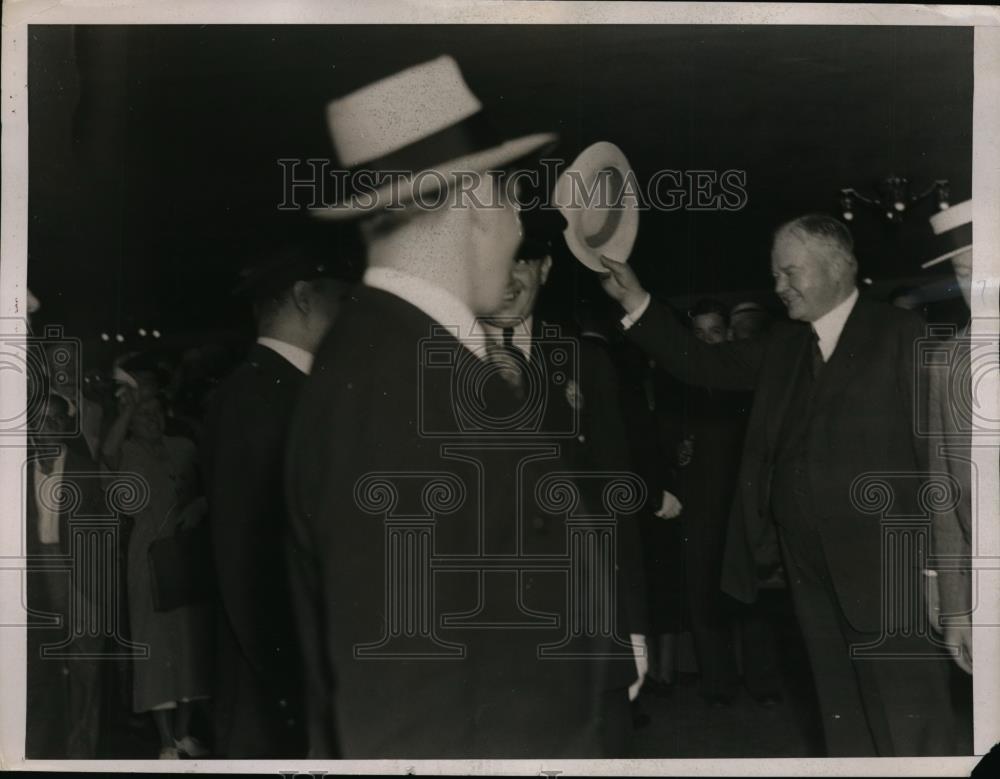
(953, 230)
(423, 120)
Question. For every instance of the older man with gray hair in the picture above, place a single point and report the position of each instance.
(833, 411)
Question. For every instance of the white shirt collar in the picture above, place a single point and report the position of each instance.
(296, 355)
(522, 334)
(439, 304)
(829, 326)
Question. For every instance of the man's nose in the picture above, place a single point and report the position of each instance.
(780, 285)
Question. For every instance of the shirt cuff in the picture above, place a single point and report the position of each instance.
(634, 316)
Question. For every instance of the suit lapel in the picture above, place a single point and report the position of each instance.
(785, 383)
(854, 345)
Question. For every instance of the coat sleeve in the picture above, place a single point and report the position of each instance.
(728, 366)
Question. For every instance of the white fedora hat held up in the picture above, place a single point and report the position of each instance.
(423, 120)
(600, 220)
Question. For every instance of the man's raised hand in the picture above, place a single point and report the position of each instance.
(621, 283)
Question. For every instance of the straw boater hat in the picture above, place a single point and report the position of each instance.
(953, 230)
(599, 220)
(423, 120)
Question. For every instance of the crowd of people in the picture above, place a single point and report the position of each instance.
(374, 483)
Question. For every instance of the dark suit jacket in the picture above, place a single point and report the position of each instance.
(602, 445)
(647, 401)
(599, 446)
(862, 422)
(243, 459)
(376, 402)
(949, 452)
(710, 419)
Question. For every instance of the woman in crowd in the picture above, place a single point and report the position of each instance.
(176, 672)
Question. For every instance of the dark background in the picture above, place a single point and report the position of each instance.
(153, 150)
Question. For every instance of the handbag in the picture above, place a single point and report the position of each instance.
(181, 568)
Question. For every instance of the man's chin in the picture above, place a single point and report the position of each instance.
(796, 312)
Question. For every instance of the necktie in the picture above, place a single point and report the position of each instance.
(817, 355)
(511, 362)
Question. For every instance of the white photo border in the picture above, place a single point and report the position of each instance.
(19, 15)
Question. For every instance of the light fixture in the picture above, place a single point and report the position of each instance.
(120, 338)
(894, 198)
(105, 337)
(847, 204)
(156, 334)
(142, 332)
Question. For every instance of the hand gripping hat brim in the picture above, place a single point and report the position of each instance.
(601, 217)
(410, 135)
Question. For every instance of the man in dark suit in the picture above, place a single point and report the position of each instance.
(258, 702)
(437, 636)
(582, 413)
(833, 403)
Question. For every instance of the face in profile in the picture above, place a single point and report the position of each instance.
(326, 296)
(808, 281)
(710, 328)
(495, 234)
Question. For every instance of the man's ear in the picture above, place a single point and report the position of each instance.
(302, 296)
(546, 267)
